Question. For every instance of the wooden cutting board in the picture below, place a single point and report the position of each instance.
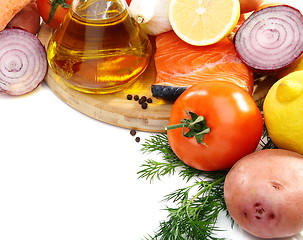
(114, 108)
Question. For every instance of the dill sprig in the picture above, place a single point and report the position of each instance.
(265, 141)
(171, 164)
(194, 216)
(196, 206)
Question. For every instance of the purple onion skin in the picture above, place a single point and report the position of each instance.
(271, 39)
(23, 62)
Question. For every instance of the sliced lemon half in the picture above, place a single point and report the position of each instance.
(203, 22)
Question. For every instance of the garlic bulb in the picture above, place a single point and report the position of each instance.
(152, 15)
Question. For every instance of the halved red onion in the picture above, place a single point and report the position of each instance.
(271, 39)
(23, 62)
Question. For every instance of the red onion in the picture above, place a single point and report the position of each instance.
(271, 38)
(23, 62)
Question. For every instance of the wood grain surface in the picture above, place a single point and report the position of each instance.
(114, 108)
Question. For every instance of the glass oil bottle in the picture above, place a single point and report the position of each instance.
(99, 48)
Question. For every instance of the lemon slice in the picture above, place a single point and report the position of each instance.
(203, 22)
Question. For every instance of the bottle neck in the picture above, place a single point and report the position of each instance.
(98, 9)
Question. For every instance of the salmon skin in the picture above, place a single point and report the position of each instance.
(180, 65)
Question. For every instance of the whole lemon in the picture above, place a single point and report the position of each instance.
(283, 112)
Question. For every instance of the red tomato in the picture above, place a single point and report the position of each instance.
(128, 2)
(234, 120)
(249, 5)
(53, 11)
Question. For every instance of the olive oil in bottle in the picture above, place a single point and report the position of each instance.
(99, 48)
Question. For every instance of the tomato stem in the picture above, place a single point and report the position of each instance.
(175, 126)
(54, 5)
(197, 127)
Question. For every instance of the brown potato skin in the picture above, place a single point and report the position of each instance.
(28, 19)
(264, 193)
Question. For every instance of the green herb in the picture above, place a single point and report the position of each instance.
(170, 165)
(194, 216)
(197, 206)
(266, 142)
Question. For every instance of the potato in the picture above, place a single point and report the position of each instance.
(264, 193)
(28, 19)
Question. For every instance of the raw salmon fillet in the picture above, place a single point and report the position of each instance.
(9, 8)
(180, 65)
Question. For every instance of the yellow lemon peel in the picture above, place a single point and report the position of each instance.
(283, 112)
(289, 90)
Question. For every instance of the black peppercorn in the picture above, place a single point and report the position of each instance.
(133, 132)
(144, 105)
(129, 97)
(142, 100)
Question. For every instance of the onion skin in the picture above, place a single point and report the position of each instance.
(271, 39)
(23, 62)
(152, 15)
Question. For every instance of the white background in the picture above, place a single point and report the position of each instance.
(66, 176)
